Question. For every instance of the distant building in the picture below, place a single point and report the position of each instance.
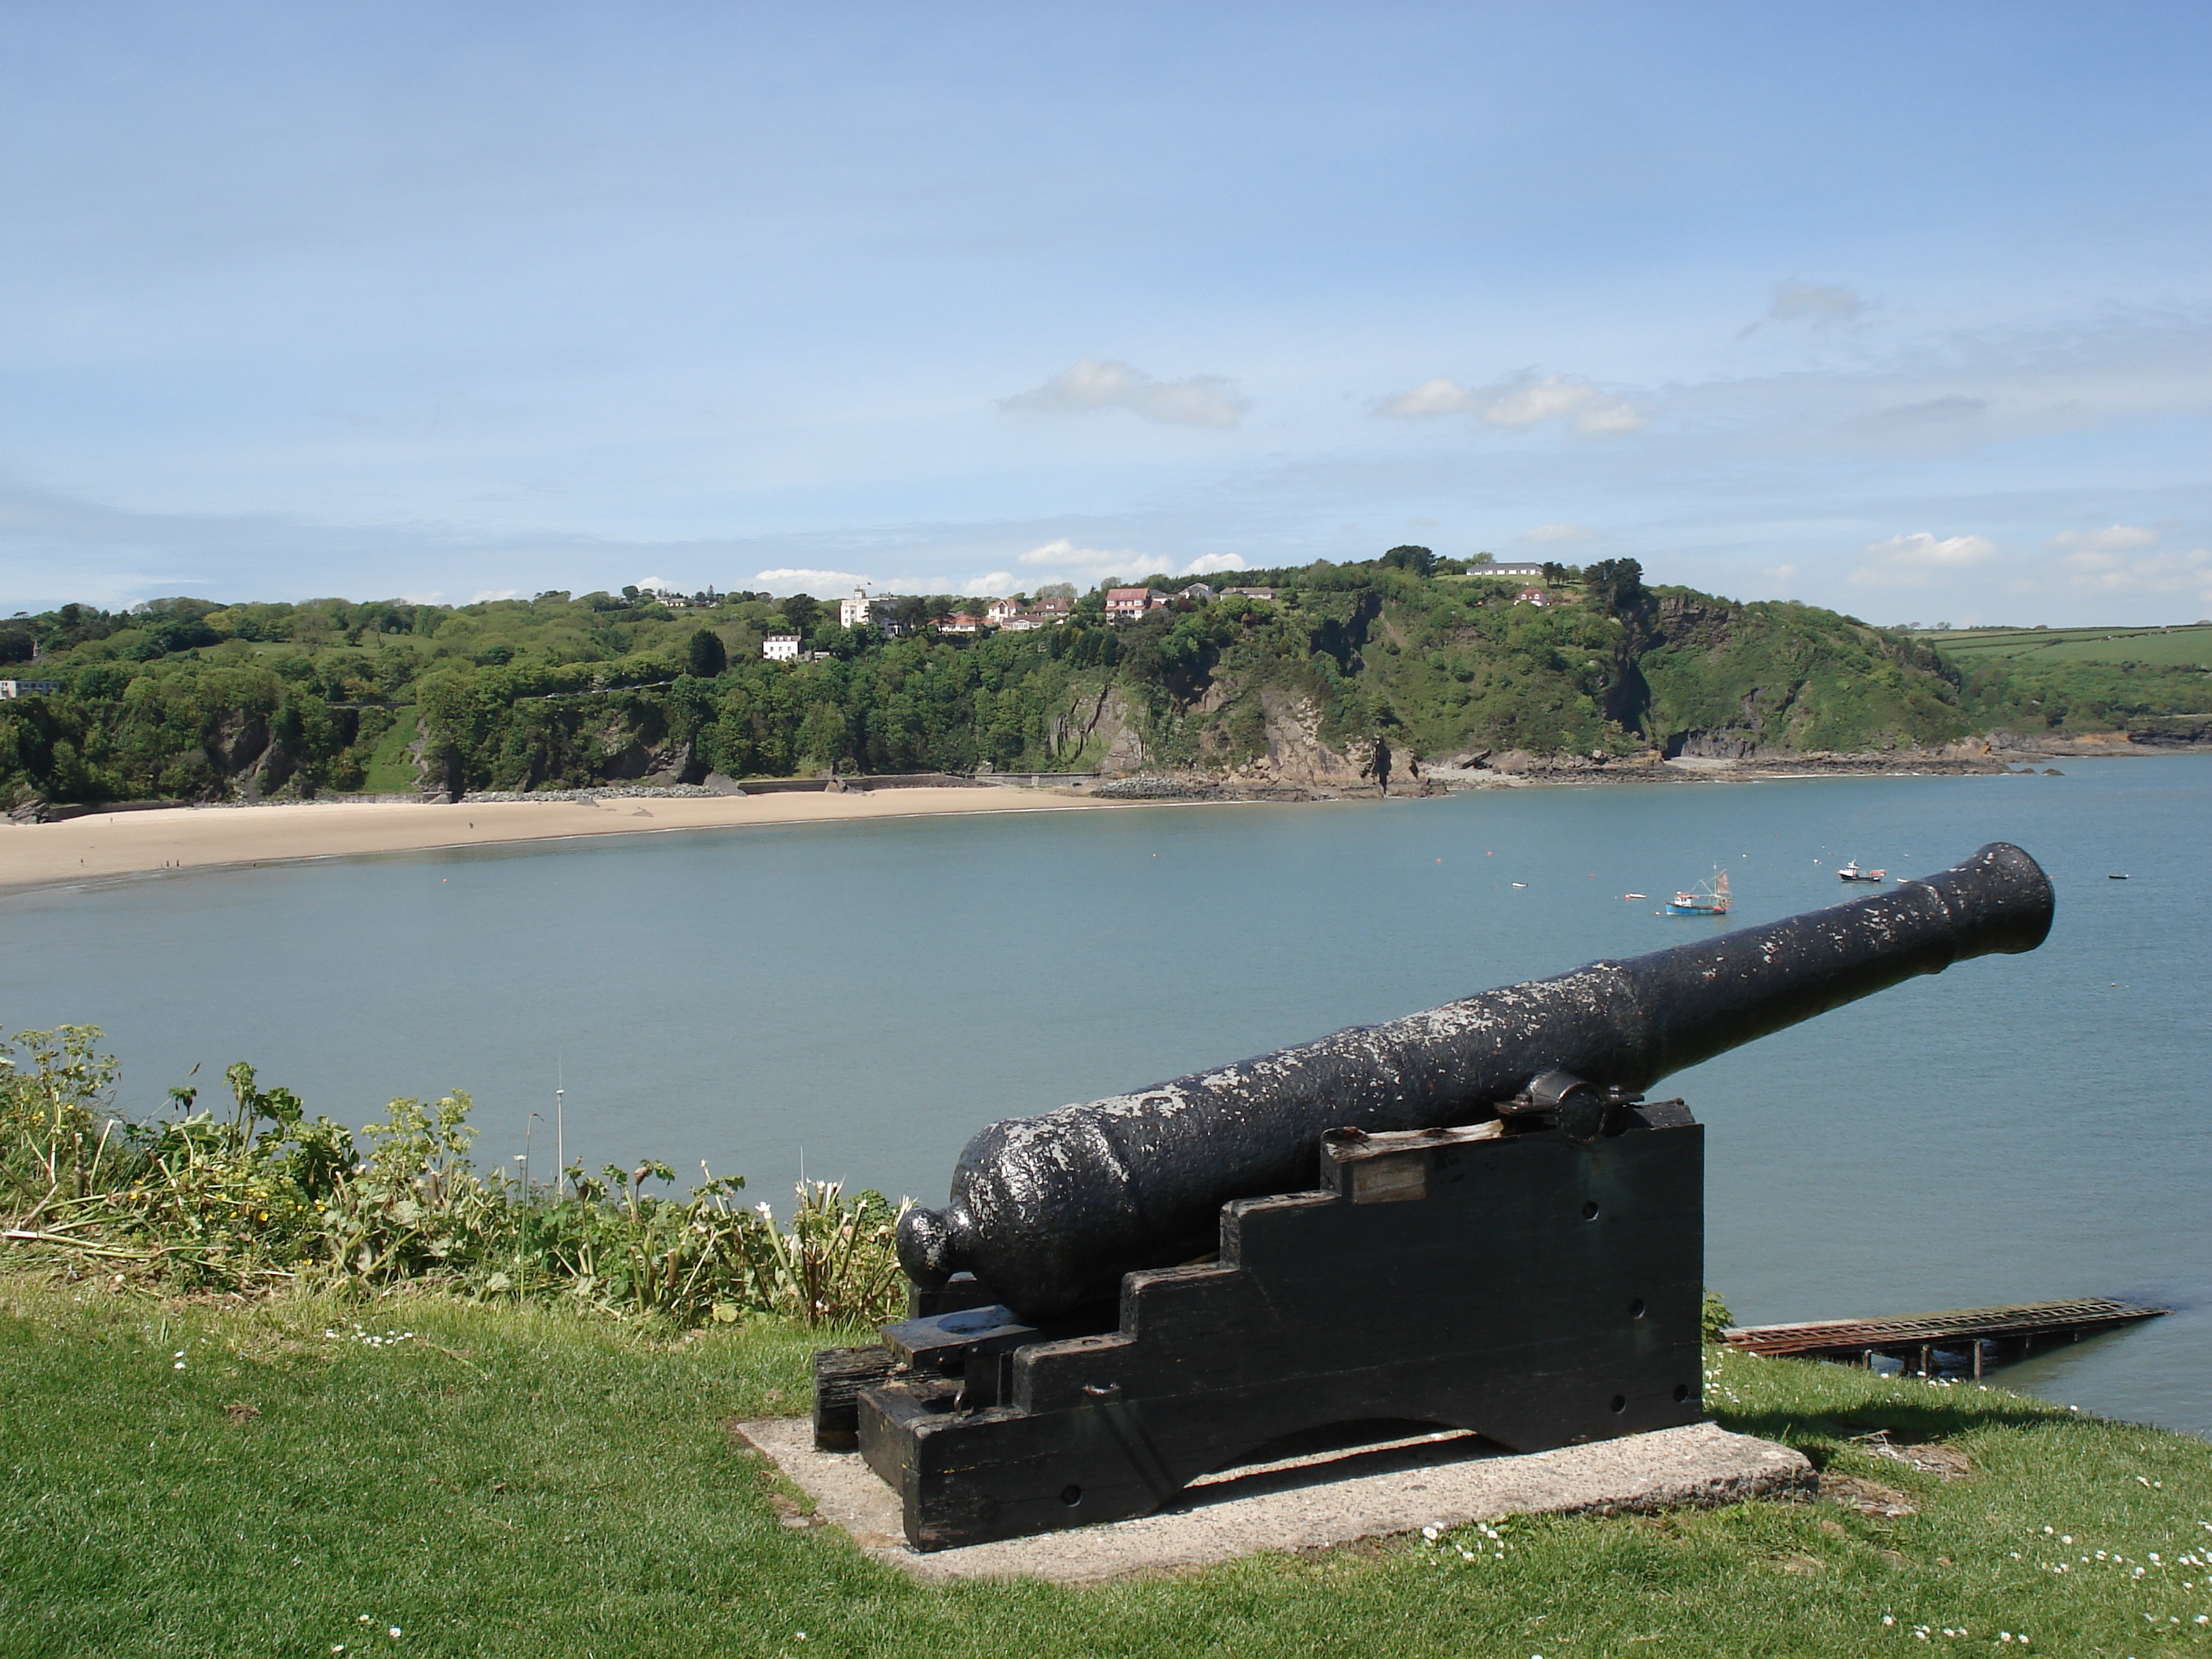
(781, 648)
(1133, 601)
(999, 611)
(861, 611)
(1266, 595)
(1043, 614)
(960, 622)
(1197, 592)
(1523, 567)
(28, 689)
(1532, 596)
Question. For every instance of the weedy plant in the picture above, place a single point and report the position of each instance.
(266, 1198)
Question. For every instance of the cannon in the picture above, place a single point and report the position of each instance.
(1504, 1237)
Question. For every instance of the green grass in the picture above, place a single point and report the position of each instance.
(391, 769)
(525, 1482)
(2161, 648)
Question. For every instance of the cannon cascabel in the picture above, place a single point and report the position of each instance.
(1049, 1212)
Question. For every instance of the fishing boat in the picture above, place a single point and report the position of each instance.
(1852, 873)
(1712, 901)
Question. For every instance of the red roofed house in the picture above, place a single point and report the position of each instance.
(1133, 601)
(1532, 596)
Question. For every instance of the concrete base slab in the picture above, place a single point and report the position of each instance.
(1443, 1479)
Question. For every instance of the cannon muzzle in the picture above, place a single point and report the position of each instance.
(1049, 1212)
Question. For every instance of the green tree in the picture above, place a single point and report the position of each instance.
(1617, 584)
(705, 658)
(1419, 561)
(802, 612)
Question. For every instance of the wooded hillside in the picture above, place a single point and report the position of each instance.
(1402, 656)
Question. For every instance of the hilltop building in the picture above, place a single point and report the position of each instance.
(861, 611)
(1133, 601)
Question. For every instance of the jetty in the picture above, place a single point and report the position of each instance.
(2005, 1335)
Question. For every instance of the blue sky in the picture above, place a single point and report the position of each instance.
(1901, 309)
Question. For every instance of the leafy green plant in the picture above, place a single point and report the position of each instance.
(269, 1197)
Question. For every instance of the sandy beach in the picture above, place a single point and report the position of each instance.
(103, 847)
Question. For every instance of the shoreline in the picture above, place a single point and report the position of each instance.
(101, 847)
(104, 848)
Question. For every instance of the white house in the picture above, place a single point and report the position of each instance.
(1523, 569)
(781, 648)
(860, 609)
(1133, 601)
(28, 688)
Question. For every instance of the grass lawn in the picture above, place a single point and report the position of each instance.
(526, 1482)
(391, 769)
(2187, 647)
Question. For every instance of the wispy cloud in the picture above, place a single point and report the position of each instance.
(1927, 412)
(2128, 562)
(1102, 383)
(1915, 560)
(1559, 532)
(1823, 304)
(817, 582)
(1526, 400)
(1064, 558)
(2114, 539)
(1214, 564)
(990, 587)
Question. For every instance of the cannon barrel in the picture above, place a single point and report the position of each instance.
(1049, 1212)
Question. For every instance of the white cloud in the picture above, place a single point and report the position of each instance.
(1528, 399)
(1437, 397)
(1910, 561)
(2126, 560)
(990, 587)
(1823, 305)
(1214, 564)
(1562, 531)
(2113, 538)
(486, 595)
(1102, 383)
(817, 582)
(1063, 557)
(1064, 552)
(660, 583)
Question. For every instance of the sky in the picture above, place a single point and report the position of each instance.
(1899, 309)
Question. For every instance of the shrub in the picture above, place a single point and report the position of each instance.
(269, 1200)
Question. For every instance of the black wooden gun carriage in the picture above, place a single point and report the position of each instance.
(1468, 1217)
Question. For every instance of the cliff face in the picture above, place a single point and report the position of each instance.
(1746, 681)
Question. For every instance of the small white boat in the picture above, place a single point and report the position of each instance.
(1852, 873)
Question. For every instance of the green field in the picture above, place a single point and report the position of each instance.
(392, 770)
(429, 1476)
(2188, 646)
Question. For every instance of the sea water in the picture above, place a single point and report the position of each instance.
(857, 999)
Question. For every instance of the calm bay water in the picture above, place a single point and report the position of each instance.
(863, 997)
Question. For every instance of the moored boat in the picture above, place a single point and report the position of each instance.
(1712, 901)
